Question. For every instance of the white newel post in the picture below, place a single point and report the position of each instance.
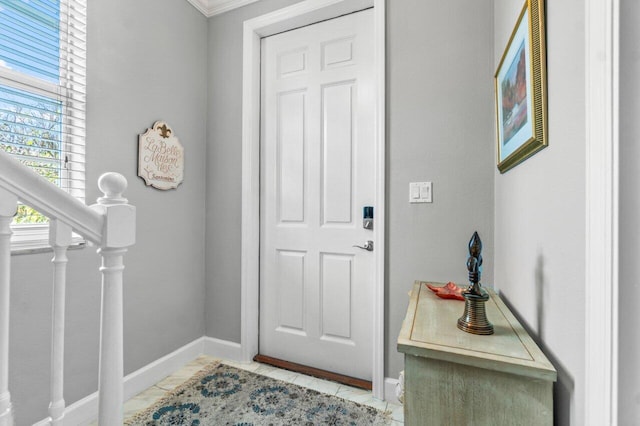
(60, 240)
(118, 234)
(8, 206)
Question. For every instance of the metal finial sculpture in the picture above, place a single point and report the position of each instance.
(474, 319)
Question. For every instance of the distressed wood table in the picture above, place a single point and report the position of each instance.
(456, 378)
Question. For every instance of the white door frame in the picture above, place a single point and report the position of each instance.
(602, 171)
(297, 15)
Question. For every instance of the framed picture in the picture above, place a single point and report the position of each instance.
(521, 86)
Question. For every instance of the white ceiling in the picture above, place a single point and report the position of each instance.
(215, 7)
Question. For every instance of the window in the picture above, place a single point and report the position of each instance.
(42, 97)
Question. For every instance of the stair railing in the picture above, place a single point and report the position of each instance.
(110, 224)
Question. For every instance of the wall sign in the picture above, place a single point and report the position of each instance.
(160, 157)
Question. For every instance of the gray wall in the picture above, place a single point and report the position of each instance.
(539, 210)
(224, 168)
(440, 112)
(629, 350)
(147, 61)
(439, 129)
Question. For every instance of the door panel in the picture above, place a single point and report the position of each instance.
(291, 164)
(337, 144)
(317, 174)
(337, 53)
(291, 289)
(336, 285)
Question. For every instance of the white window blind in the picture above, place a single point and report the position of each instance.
(43, 91)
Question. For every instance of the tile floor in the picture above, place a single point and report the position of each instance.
(151, 395)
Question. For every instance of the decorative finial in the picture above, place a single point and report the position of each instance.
(474, 262)
(112, 186)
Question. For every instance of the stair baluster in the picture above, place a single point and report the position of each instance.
(60, 240)
(8, 205)
(118, 235)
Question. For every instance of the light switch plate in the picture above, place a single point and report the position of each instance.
(420, 192)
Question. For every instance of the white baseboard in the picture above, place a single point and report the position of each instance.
(390, 390)
(222, 349)
(85, 411)
(152, 373)
(82, 412)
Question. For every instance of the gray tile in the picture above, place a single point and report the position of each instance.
(248, 366)
(397, 412)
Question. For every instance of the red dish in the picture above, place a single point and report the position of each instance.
(447, 291)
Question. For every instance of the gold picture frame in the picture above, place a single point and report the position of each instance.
(521, 90)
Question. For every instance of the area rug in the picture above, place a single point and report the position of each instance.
(223, 395)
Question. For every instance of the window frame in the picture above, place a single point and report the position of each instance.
(70, 92)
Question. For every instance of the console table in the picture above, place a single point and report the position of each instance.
(456, 378)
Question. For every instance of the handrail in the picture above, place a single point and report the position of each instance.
(48, 199)
(111, 224)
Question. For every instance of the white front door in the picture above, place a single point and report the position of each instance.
(317, 175)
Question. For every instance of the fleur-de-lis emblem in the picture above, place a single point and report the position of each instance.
(164, 131)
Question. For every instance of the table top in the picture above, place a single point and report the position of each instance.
(430, 330)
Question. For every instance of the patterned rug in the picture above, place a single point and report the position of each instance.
(223, 395)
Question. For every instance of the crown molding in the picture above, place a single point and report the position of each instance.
(210, 8)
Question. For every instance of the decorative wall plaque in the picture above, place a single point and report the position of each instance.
(160, 157)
